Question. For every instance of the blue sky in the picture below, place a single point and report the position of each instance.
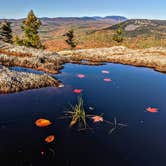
(153, 9)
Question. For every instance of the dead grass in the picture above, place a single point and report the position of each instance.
(79, 116)
(104, 39)
(19, 54)
(156, 52)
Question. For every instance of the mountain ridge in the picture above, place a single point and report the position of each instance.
(135, 27)
(107, 19)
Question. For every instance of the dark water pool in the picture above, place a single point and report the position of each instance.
(132, 90)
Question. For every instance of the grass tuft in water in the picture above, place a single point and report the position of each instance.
(78, 115)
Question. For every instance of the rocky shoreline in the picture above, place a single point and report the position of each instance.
(12, 81)
(152, 57)
(37, 59)
(52, 62)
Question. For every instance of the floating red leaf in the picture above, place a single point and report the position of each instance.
(50, 138)
(81, 76)
(152, 110)
(107, 80)
(78, 91)
(97, 119)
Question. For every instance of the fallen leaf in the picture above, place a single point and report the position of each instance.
(105, 71)
(50, 138)
(81, 76)
(107, 80)
(42, 122)
(73, 122)
(97, 119)
(77, 90)
(152, 110)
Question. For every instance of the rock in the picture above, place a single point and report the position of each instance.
(11, 55)
(12, 81)
(151, 57)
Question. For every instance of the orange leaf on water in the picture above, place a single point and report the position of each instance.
(97, 119)
(42, 122)
(152, 110)
(50, 138)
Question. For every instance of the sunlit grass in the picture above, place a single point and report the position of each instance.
(100, 39)
(78, 114)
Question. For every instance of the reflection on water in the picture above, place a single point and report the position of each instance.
(127, 97)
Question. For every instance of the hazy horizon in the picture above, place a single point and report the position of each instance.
(15, 9)
(85, 16)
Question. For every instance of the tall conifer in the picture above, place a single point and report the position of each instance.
(6, 32)
(30, 28)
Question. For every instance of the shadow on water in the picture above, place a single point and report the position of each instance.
(128, 94)
(28, 70)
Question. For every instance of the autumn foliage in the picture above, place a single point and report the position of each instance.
(19, 54)
(42, 122)
(50, 138)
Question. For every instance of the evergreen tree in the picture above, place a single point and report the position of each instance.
(118, 37)
(70, 39)
(17, 40)
(6, 32)
(30, 28)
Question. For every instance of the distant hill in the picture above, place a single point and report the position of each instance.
(144, 27)
(86, 18)
(98, 31)
(83, 21)
(117, 18)
(65, 20)
(53, 28)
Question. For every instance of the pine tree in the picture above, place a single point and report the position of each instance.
(118, 37)
(17, 40)
(6, 32)
(70, 39)
(30, 28)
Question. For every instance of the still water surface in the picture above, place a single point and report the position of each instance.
(132, 90)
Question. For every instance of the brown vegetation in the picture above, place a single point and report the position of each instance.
(104, 39)
(19, 54)
(12, 81)
(52, 62)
